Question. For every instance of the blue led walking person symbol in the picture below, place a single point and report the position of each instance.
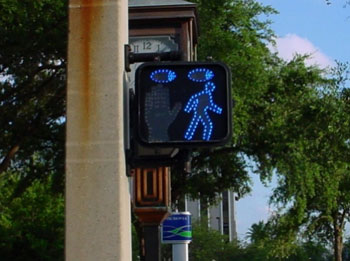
(200, 103)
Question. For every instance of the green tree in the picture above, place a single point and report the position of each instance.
(307, 146)
(31, 226)
(32, 87)
(33, 42)
(259, 233)
(264, 241)
(208, 245)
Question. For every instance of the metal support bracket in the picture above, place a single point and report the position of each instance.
(131, 57)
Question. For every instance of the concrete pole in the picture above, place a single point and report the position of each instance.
(98, 223)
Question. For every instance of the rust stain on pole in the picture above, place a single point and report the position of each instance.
(90, 11)
(86, 24)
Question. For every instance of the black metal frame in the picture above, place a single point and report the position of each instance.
(131, 57)
(189, 144)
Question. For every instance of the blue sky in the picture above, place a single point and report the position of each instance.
(326, 27)
(305, 27)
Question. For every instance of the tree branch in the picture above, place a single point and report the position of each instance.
(342, 219)
(221, 151)
(6, 161)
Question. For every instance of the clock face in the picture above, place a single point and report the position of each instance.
(149, 44)
(152, 44)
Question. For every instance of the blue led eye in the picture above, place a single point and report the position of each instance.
(163, 76)
(200, 75)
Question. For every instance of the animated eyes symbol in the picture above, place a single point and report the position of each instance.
(195, 75)
(163, 76)
(199, 103)
(200, 75)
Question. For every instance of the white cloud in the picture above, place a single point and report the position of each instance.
(292, 44)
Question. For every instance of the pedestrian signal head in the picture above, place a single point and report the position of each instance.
(183, 104)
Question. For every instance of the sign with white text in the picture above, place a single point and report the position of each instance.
(177, 228)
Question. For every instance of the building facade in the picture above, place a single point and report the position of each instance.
(221, 217)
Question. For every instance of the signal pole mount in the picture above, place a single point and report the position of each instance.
(165, 30)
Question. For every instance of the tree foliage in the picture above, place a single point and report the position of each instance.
(32, 87)
(31, 226)
(32, 100)
(209, 245)
(307, 146)
(266, 244)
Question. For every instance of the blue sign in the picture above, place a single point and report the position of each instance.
(177, 229)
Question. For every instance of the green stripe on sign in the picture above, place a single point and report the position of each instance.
(186, 234)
